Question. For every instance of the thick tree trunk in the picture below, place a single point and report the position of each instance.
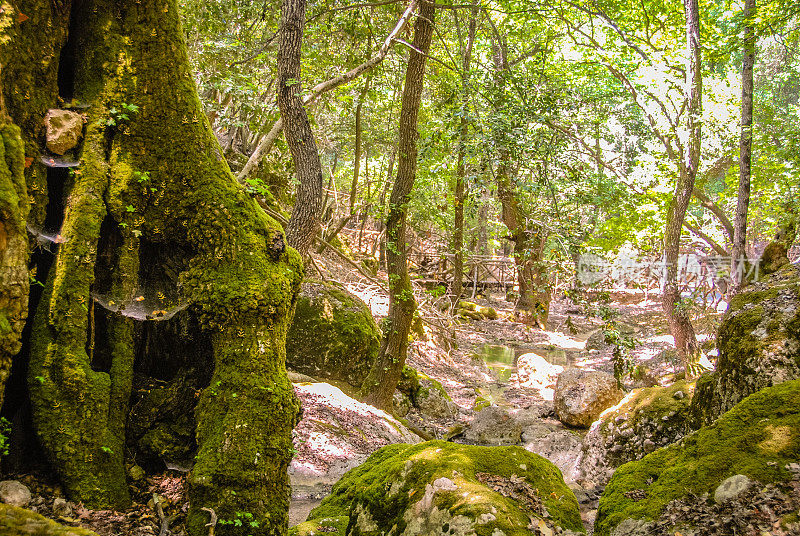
(14, 208)
(461, 170)
(304, 223)
(382, 380)
(154, 186)
(738, 251)
(678, 317)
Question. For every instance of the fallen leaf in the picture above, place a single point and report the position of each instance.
(22, 17)
(28, 161)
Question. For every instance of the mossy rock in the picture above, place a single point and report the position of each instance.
(759, 345)
(471, 310)
(426, 394)
(333, 335)
(645, 420)
(757, 438)
(16, 521)
(335, 526)
(444, 488)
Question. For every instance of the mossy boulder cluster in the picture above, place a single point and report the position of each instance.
(333, 335)
(758, 438)
(759, 345)
(645, 420)
(443, 488)
(473, 311)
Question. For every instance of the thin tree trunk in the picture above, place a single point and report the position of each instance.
(738, 252)
(461, 172)
(383, 378)
(266, 143)
(678, 317)
(304, 223)
(533, 303)
(357, 149)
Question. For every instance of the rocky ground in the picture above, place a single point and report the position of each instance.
(489, 403)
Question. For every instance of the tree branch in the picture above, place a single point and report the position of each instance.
(266, 143)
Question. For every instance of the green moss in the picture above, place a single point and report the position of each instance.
(335, 526)
(397, 477)
(333, 334)
(14, 284)
(757, 438)
(16, 521)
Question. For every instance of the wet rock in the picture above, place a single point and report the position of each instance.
(14, 493)
(732, 488)
(64, 130)
(494, 426)
(759, 344)
(333, 335)
(646, 419)
(422, 488)
(580, 396)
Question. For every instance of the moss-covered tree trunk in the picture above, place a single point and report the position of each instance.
(153, 222)
(13, 245)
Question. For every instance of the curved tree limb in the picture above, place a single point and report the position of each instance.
(268, 141)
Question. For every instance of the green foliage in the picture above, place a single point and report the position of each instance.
(121, 116)
(5, 436)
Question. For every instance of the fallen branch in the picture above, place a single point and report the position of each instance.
(213, 523)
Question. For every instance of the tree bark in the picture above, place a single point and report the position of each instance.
(382, 380)
(304, 223)
(155, 181)
(14, 208)
(738, 251)
(266, 143)
(461, 170)
(678, 317)
(529, 239)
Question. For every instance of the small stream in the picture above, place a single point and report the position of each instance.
(502, 359)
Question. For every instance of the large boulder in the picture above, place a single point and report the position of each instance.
(333, 335)
(645, 420)
(443, 488)
(552, 440)
(336, 434)
(759, 345)
(15, 521)
(494, 426)
(536, 372)
(64, 130)
(15, 493)
(581, 396)
(758, 438)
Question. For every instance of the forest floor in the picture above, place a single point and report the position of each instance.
(462, 355)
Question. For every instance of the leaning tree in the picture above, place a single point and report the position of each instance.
(150, 223)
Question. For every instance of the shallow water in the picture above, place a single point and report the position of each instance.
(502, 359)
